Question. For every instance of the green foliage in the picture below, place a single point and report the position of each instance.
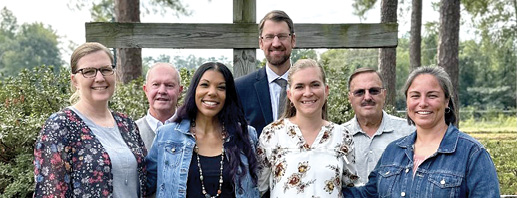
(26, 46)
(487, 75)
(8, 23)
(28, 99)
(104, 10)
(130, 99)
(303, 54)
(362, 6)
(165, 6)
(496, 21)
(339, 108)
(190, 62)
(504, 155)
(351, 58)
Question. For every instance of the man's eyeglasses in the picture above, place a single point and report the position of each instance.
(373, 91)
(91, 72)
(271, 37)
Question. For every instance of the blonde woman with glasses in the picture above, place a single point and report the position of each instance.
(87, 150)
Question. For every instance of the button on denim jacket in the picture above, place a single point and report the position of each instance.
(169, 160)
(461, 167)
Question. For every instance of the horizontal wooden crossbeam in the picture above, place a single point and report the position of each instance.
(234, 36)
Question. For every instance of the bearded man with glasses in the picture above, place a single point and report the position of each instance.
(372, 128)
(263, 92)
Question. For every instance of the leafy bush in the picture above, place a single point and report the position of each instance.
(339, 109)
(504, 155)
(29, 99)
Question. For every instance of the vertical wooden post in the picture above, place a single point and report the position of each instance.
(244, 59)
(129, 59)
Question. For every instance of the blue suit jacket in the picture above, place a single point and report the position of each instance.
(253, 91)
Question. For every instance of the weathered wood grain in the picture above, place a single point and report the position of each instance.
(238, 35)
(244, 59)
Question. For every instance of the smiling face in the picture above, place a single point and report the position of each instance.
(277, 51)
(162, 90)
(426, 102)
(367, 105)
(98, 89)
(308, 92)
(210, 94)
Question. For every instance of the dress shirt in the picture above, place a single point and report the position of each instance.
(274, 89)
(368, 149)
(155, 123)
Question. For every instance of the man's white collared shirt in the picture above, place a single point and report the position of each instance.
(155, 123)
(274, 89)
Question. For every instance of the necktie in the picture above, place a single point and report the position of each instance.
(281, 100)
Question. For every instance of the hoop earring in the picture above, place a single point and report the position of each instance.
(447, 110)
(291, 104)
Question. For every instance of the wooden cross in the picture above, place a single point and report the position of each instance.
(241, 35)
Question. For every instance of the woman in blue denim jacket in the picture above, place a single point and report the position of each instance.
(437, 160)
(209, 150)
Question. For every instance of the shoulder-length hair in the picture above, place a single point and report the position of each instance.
(445, 83)
(232, 116)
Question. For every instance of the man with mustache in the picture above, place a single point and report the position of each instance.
(373, 129)
(262, 92)
(162, 89)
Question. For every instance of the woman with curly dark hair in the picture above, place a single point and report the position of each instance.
(209, 151)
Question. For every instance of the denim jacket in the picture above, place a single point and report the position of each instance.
(461, 167)
(169, 160)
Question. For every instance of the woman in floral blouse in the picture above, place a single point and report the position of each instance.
(303, 154)
(86, 150)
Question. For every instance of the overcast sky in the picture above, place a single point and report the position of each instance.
(69, 24)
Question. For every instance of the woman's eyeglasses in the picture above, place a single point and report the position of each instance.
(91, 72)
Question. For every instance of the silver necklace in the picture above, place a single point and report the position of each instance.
(196, 149)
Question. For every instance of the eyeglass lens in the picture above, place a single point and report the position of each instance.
(373, 91)
(92, 72)
(271, 37)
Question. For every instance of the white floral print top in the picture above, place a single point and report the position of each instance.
(289, 167)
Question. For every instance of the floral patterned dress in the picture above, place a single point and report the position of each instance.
(289, 167)
(70, 162)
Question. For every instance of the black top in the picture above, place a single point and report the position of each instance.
(211, 169)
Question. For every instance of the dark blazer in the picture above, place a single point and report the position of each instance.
(253, 91)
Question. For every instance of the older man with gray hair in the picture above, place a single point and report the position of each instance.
(372, 128)
(163, 89)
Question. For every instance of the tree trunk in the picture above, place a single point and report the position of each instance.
(388, 56)
(416, 38)
(448, 44)
(129, 60)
